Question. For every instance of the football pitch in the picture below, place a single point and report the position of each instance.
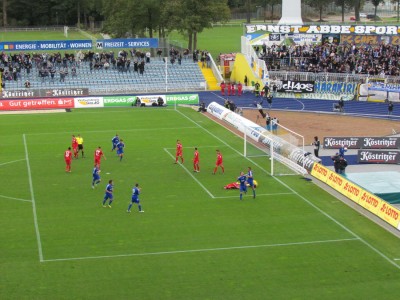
(195, 239)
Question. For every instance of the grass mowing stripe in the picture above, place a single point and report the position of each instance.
(195, 179)
(304, 199)
(12, 198)
(203, 250)
(122, 130)
(39, 242)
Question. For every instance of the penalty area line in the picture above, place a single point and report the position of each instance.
(204, 250)
(11, 162)
(195, 179)
(17, 199)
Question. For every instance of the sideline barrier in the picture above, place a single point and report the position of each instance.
(358, 195)
(96, 102)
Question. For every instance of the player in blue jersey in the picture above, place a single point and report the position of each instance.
(242, 184)
(115, 141)
(120, 149)
(96, 176)
(109, 194)
(135, 198)
(250, 181)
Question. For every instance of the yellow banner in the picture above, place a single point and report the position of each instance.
(369, 201)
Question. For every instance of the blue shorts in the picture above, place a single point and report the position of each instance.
(96, 177)
(250, 182)
(120, 152)
(243, 189)
(135, 200)
(108, 196)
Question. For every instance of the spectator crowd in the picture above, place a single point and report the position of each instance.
(382, 59)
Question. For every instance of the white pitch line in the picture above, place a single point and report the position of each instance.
(271, 194)
(303, 198)
(11, 162)
(39, 242)
(203, 250)
(195, 179)
(396, 259)
(12, 198)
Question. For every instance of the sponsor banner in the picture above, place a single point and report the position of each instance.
(32, 104)
(45, 45)
(320, 172)
(119, 100)
(389, 213)
(352, 191)
(372, 40)
(148, 100)
(362, 142)
(257, 39)
(88, 102)
(18, 94)
(370, 202)
(127, 43)
(64, 92)
(390, 30)
(385, 87)
(290, 86)
(183, 99)
(378, 157)
(335, 181)
(37, 93)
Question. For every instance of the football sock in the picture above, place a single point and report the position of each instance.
(254, 193)
(120, 158)
(241, 196)
(130, 206)
(104, 201)
(140, 207)
(109, 203)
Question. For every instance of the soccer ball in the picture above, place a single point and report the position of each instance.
(345, 148)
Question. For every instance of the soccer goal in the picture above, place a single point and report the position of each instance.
(282, 151)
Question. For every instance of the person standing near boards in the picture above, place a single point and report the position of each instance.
(316, 145)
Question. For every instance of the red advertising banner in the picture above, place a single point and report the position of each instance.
(31, 104)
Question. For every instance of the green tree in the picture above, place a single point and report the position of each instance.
(376, 3)
(320, 5)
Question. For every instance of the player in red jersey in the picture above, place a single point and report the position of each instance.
(75, 146)
(196, 161)
(223, 86)
(179, 151)
(239, 88)
(98, 153)
(219, 163)
(68, 158)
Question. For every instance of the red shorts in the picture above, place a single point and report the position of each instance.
(97, 161)
(196, 161)
(178, 153)
(218, 163)
(68, 161)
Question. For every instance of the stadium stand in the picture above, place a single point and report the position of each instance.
(157, 75)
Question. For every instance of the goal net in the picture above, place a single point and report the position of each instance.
(262, 143)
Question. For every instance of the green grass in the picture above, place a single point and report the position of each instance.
(12, 36)
(216, 40)
(195, 239)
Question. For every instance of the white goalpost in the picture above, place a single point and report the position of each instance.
(259, 142)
